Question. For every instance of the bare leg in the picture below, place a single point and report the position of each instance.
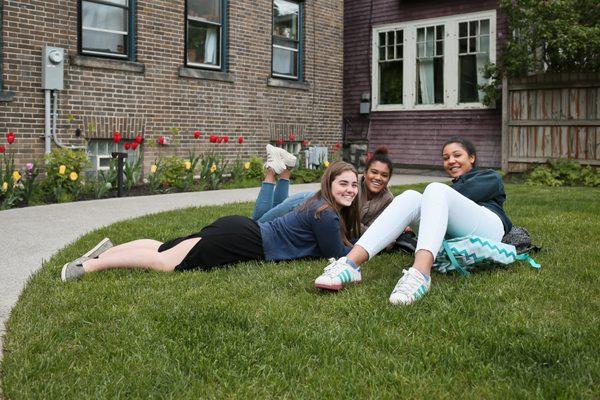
(133, 245)
(142, 257)
(423, 261)
(286, 173)
(270, 176)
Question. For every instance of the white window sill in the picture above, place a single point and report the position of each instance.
(196, 73)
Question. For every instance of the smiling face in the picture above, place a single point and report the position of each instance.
(344, 188)
(377, 177)
(457, 160)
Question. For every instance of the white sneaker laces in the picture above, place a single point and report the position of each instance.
(334, 268)
(408, 283)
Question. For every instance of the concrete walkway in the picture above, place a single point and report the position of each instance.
(33, 234)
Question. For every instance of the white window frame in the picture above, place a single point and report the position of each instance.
(126, 33)
(451, 62)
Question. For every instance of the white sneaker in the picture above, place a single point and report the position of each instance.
(410, 288)
(274, 159)
(337, 274)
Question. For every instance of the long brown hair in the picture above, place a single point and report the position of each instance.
(349, 216)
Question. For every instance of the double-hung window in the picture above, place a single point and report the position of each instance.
(204, 34)
(106, 28)
(432, 64)
(287, 39)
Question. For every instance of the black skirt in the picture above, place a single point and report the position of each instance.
(226, 241)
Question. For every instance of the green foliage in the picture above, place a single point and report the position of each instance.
(556, 36)
(237, 170)
(173, 171)
(212, 169)
(305, 175)
(256, 170)
(11, 190)
(564, 172)
(132, 172)
(60, 182)
(155, 176)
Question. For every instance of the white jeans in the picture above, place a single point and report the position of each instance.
(440, 211)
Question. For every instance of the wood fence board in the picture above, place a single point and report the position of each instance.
(581, 143)
(539, 142)
(591, 143)
(564, 104)
(564, 141)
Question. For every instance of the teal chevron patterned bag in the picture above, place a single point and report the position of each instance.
(465, 253)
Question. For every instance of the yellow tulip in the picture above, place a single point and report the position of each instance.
(326, 164)
(62, 169)
(187, 165)
(247, 165)
(73, 176)
(153, 168)
(213, 168)
(5, 186)
(16, 176)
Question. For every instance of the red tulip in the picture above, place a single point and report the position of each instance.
(241, 140)
(280, 142)
(219, 139)
(337, 146)
(127, 146)
(2, 149)
(213, 139)
(226, 139)
(116, 137)
(161, 140)
(305, 143)
(196, 134)
(134, 145)
(292, 137)
(10, 137)
(138, 139)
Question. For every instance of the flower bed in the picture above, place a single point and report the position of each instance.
(68, 177)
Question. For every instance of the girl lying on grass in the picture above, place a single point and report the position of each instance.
(321, 227)
(273, 201)
(471, 206)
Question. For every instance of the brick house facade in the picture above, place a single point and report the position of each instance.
(155, 90)
(413, 129)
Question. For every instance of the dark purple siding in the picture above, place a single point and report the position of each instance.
(413, 137)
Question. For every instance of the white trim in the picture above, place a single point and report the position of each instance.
(451, 61)
(124, 33)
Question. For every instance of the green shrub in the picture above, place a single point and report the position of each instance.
(564, 172)
(305, 175)
(64, 174)
(211, 171)
(173, 172)
(256, 170)
(132, 173)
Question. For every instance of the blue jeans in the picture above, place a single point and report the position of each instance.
(273, 201)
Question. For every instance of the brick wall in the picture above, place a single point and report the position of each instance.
(247, 105)
(413, 137)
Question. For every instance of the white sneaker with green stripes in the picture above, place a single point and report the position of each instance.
(410, 288)
(337, 275)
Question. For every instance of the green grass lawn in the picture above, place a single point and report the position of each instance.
(260, 330)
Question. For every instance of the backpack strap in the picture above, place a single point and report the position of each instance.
(531, 261)
(453, 261)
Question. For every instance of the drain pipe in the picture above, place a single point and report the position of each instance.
(51, 118)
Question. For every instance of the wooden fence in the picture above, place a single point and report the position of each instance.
(550, 116)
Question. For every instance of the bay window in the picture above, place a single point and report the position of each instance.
(432, 64)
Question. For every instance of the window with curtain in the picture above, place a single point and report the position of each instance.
(105, 28)
(430, 64)
(473, 53)
(391, 53)
(286, 39)
(204, 33)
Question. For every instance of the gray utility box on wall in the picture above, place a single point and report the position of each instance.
(53, 68)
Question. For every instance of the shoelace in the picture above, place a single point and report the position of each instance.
(406, 282)
(334, 268)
